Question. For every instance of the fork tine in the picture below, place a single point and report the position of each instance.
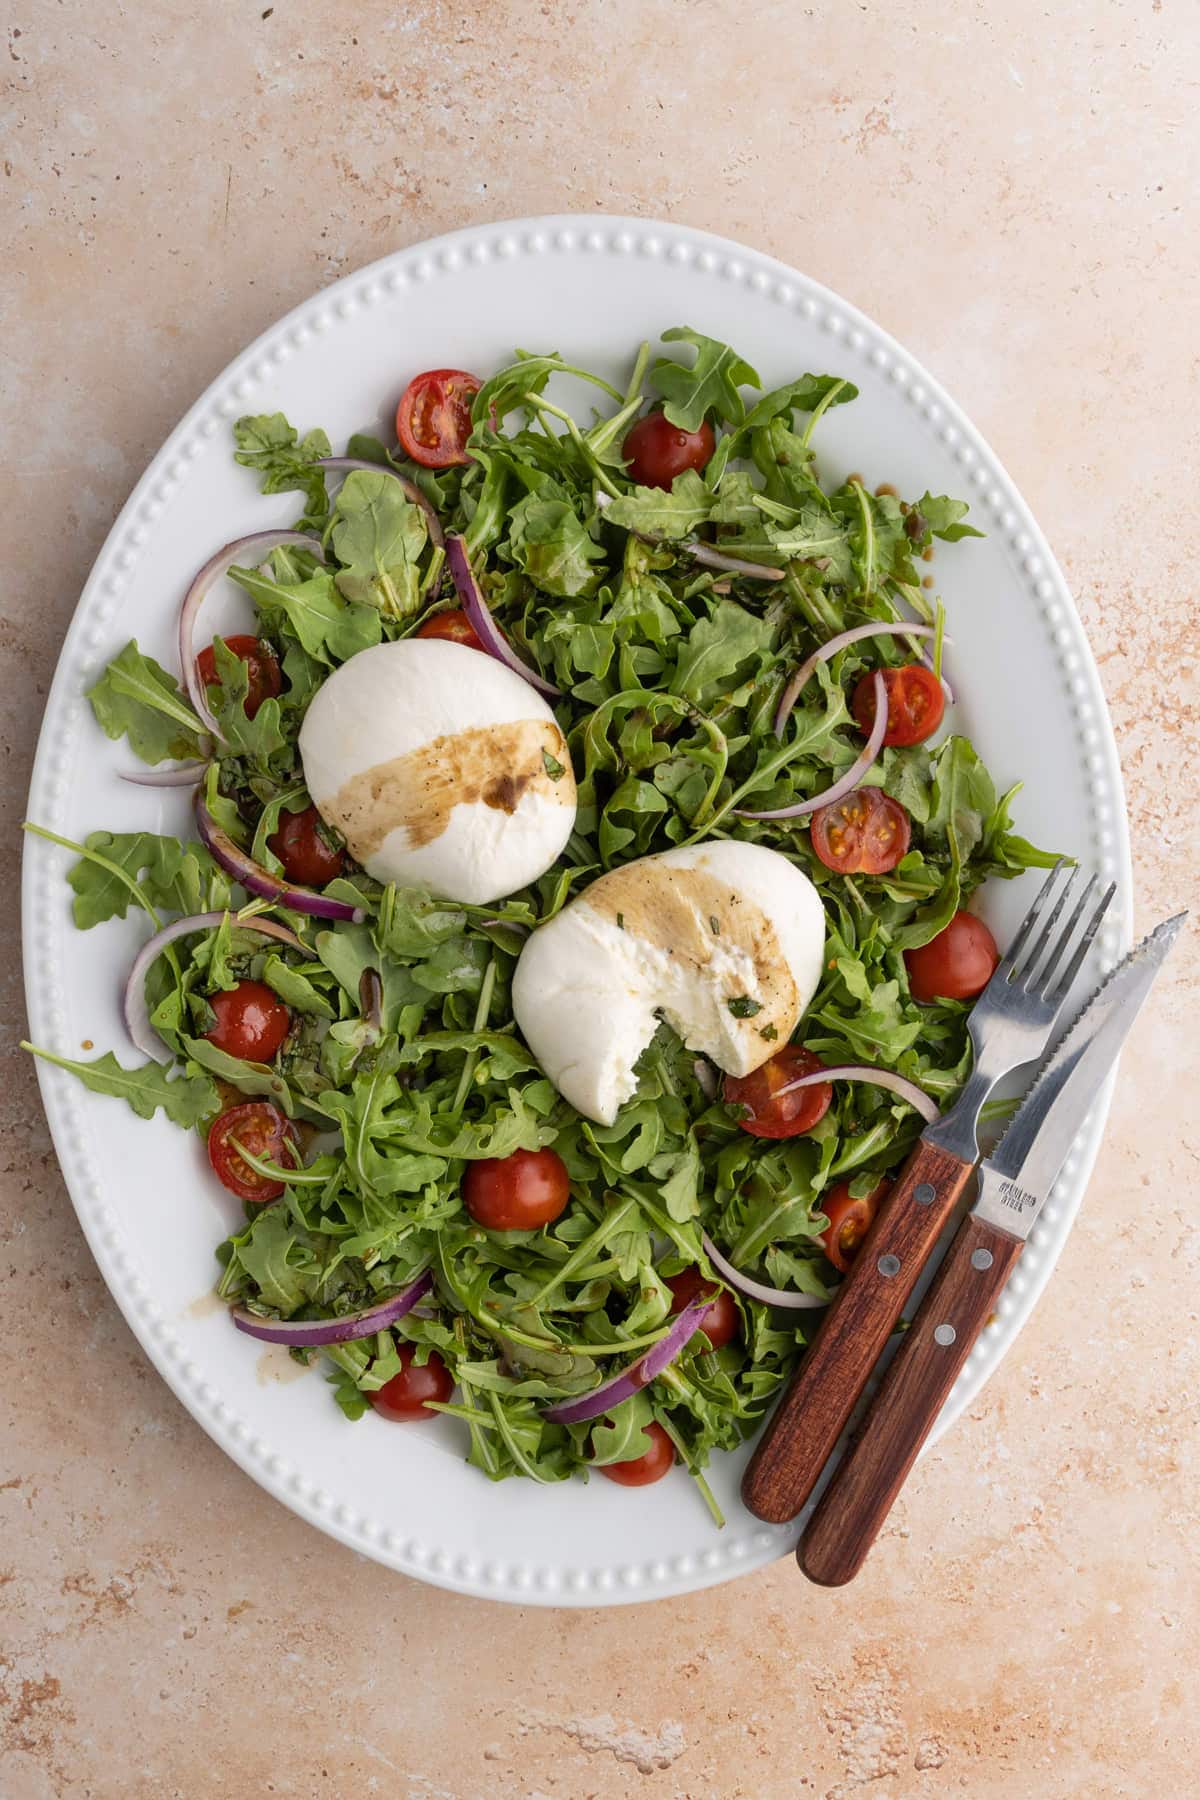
(1065, 935)
(1024, 976)
(1085, 944)
(1008, 960)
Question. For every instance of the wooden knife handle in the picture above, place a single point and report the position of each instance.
(934, 1348)
(798, 1440)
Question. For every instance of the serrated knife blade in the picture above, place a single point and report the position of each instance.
(1016, 1179)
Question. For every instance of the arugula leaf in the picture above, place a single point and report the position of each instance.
(326, 626)
(259, 738)
(378, 536)
(711, 384)
(268, 443)
(672, 512)
(936, 515)
(185, 1099)
(717, 648)
(174, 877)
(296, 989)
(136, 698)
(547, 538)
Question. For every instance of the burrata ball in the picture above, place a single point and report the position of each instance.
(441, 768)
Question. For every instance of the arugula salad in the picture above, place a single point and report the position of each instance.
(574, 933)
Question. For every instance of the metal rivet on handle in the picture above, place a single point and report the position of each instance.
(923, 1193)
(944, 1335)
(888, 1265)
(981, 1259)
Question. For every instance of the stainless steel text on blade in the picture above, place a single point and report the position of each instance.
(1015, 1180)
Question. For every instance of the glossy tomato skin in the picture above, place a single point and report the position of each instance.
(720, 1322)
(405, 1397)
(520, 1192)
(657, 451)
(433, 419)
(301, 847)
(773, 1114)
(454, 626)
(266, 679)
(915, 703)
(955, 965)
(259, 1128)
(849, 1221)
(251, 1022)
(864, 833)
(642, 1470)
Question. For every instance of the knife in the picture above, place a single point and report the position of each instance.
(1014, 1184)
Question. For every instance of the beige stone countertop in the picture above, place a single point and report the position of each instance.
(1010, 188)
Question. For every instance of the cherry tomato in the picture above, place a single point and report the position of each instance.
(774, 1114)
(259, 1128)
(915, 703)
(517, 1192)
(407, 1394)
(720, 1322)
(652, 1465)
(252, 1021)
(433, 419)
(265, 678)
(866, 833)
(955, 965)
(849, 1221)
(299, 844)
(454, 625)
(657, 451)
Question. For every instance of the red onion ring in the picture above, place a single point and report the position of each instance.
(791, 692)
(706, 1078)
(486, 628)
(345, 465)
(259, 881)
(311, 1333)
(734, 565)
(133, 1003)
(756, 1290)
(252, 551)
(370, 997)
(908, 1090)
(637, 1375)
(182, 775)
(845, 783)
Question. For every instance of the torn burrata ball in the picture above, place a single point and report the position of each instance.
(725, 941)
(441, 768)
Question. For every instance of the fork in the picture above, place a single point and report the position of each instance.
(1009, 1027)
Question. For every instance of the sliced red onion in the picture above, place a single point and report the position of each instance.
(370, 997)
(713, 558)
(486, 628)
(259, 881)
(345, 465)
(845, 783)
(792, 691)
(180, 775)
(756, 1290)
(252, 551)
(304, 1334)
(884, 1078)
(706, 1078)
(133, 1003)
(637, 1375)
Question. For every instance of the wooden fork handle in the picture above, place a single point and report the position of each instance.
(865, 1483)
(798, 1440)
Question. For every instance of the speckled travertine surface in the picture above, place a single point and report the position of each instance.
(1009, 188)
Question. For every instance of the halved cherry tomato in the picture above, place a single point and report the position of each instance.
(406, 1395)
(657, 451)
(773, 1114)
(518, 1192)
(265, 678)
(301, 847)
(433, 419)
(849, 1221)
(955, 965)
(259, 1128)
(866, 833)
(720, 1322)
(652, 1465)
(454, 626)
(915, 703)
(252, 1021)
